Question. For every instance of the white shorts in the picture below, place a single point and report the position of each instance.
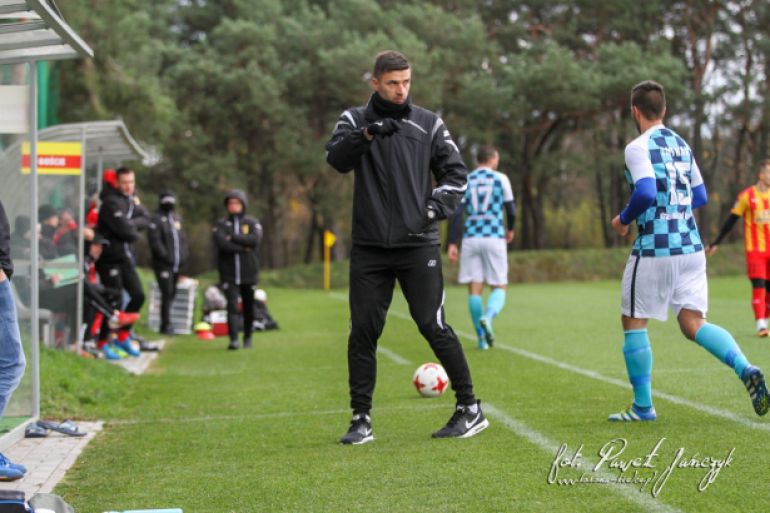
(484, 260)
(652, 285)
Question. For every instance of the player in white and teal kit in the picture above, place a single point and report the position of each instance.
(485, 239)
(667, 266)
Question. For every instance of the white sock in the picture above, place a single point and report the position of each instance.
(761, 324)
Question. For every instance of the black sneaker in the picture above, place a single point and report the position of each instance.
(247, 343)
(754, 381)
(360, 430)
(486, 327)
(233, 345)
(463, 423)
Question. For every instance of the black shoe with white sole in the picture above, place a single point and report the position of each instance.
(464, 423)
(360, 430)
(754, 381)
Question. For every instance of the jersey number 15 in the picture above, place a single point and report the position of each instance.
(677, 175)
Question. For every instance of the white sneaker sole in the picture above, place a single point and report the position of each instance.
(475, 430)
(363, 441)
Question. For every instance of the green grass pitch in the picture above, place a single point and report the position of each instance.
(250, 431)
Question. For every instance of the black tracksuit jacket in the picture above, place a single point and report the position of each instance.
(120, 219)
(168, 241)
(394, 176)
(6, 264)
(237, 240)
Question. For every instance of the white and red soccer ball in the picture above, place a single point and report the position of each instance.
(430, 380)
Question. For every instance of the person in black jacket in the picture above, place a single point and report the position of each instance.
(121, 216)
(397, 151)
(237, 238)
(49, 223)
(6, 264)
(101, 313)
(168, 244)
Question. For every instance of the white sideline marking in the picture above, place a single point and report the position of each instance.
(681, 401)
(394, 357)
(630, 492)
(260, 416)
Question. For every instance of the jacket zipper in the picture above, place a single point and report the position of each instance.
(237, 255)
(175, 236)
(125, 244)
(391, 186)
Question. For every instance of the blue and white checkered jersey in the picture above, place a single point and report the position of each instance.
(484, 200)
(667, 227)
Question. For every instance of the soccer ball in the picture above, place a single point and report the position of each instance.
(430, 380)
(260, 295)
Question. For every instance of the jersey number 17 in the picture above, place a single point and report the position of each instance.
(486, 196)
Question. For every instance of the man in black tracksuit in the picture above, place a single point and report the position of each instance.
(6, 264)
(168, 244)
(396, 151)
(121, 217)
(237, 239)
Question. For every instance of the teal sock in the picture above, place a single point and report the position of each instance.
(718, 341)
(638, 355)
(495, 302)
(475, 306)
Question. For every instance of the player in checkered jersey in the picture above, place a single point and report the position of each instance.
(484, 257)
(667, 266)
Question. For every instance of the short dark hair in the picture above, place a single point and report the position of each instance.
(649, 98)
(123, 171)
(763, 164)
(389, 60)
(485, 153)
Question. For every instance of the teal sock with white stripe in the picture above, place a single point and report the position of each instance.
(476, 307)
(495, 303)
(638, 355)
(718, 341)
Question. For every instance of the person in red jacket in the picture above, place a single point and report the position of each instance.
(753, 205)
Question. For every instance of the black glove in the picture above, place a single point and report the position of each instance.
(385, 126)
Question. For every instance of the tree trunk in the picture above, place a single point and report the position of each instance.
(310, 245)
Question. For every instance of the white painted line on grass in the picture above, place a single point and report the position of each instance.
(261, 416)
(681, 401)
(400, 315)
(338, 296)
(711, 410)
(394, 357)
(630, 492)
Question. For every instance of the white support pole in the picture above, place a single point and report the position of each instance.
(34, 352)
(100, 174)
(81, 224)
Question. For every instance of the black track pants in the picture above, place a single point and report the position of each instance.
(246, 293)
(123, 277)
(373, 274)
(167, 279)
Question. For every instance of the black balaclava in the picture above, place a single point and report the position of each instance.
(388, 109)
(166, 201)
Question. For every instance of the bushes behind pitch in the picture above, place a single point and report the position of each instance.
(524, 266)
